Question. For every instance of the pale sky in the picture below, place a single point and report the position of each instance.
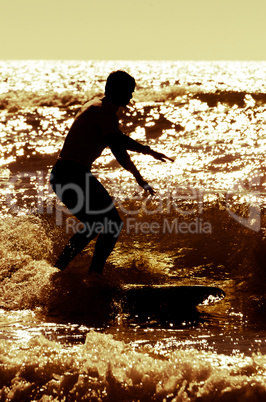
(133, 29)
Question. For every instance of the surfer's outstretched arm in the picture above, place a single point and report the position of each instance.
(124, 160)
(132, 145)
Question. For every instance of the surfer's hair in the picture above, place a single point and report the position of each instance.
(117, 83)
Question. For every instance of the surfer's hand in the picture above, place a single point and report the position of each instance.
(159, 156)
(145, 186)
(149, 189)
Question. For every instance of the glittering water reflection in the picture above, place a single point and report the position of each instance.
(210, 118)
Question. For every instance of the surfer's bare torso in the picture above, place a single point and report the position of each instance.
(88, 135)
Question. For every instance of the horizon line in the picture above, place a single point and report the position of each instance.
(136, 60)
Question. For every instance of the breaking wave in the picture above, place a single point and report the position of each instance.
(104, 369)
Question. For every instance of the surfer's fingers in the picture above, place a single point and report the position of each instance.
(149, 189)
(169, 159)
(163, 157)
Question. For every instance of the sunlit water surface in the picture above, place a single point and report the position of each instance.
(60, 339)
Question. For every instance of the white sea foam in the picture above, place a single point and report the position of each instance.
(210, 118)
(106, 369)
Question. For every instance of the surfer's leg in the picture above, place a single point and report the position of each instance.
(106, 241)
(71, 182)
(97, 213)
(75, 245)
(104, 245)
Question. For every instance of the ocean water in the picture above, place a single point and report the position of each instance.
(62, 337)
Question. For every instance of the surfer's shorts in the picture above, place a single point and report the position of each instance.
(80, 191)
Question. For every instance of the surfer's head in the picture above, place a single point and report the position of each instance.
(119, 87)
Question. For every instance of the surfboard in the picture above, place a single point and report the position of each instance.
(167, 301)
(95, 301)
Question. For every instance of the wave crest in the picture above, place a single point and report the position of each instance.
(14, 101)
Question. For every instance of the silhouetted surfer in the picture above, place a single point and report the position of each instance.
(95, 128)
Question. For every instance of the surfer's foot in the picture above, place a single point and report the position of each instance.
(96, 268)
(94, 274)
(60, 265)
(94, 279)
